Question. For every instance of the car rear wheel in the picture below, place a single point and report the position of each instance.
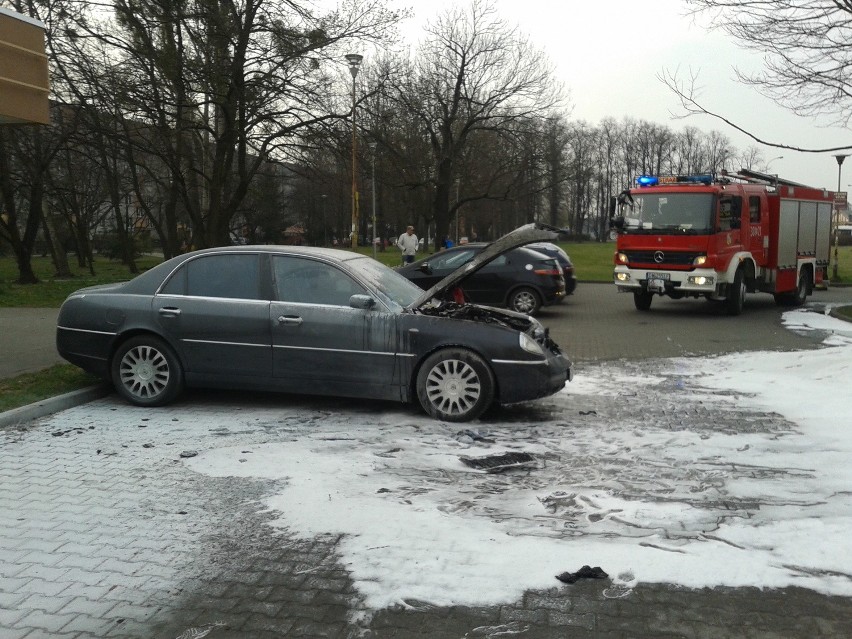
(455, 385)
(146, 372)
(525, 300)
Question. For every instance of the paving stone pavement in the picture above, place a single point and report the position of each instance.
(105, 532)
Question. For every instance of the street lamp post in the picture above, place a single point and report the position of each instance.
(354, 61)
(780, 157)
(373, 152)
(835, 214)
(324, 224)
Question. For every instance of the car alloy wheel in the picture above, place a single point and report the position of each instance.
(146, 372)
(525, 300)
(455, 385)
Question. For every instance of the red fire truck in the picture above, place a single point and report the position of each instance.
(721, 236)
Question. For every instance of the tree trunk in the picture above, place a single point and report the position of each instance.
(57, 251)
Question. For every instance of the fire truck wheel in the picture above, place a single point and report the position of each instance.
(736, 294)
(801, 293)
(797, 297)
(642, 300)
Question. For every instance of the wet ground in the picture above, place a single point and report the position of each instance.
(113, 527)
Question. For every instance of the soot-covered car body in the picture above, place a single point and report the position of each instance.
(313, 321)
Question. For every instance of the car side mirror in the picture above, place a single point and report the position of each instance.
(617, 223)
(425, 268)
(363, 302)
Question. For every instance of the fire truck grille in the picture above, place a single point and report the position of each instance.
(661, 258)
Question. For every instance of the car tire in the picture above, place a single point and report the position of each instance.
(736, 294)
(524, 300)
(455, 385)
(642, 300)
(146, 372)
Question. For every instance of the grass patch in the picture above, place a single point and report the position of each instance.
(50, 292)
(843, 312)
(33, 387)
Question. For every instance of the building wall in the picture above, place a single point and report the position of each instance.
(24, 83)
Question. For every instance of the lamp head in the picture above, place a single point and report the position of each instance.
(354, 61)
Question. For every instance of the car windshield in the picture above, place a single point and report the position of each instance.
(679, 213)
(392, 285)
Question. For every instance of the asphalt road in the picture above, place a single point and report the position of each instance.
(598, 324)
(594, 324)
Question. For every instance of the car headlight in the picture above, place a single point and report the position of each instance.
(701, 260)
(529, 344)
(621, 258)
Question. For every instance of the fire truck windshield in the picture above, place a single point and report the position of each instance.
(668, 213)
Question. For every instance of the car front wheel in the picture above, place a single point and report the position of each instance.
(146, 372)
(455, 385)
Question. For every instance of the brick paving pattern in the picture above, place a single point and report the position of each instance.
(106, 533)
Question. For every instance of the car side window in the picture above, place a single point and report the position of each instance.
(232, 276)
(450, 261)
(305, 281)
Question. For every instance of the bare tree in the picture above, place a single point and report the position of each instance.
(805, 44)
(473, 73)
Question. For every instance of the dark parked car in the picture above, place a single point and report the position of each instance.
(520, 279)
(309, 320)
(551, 250)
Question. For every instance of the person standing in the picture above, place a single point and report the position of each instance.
(407, 243)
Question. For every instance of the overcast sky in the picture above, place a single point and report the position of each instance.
(609, 55)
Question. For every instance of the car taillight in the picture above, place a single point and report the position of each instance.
(547, 271)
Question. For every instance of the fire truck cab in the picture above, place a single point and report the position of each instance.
(720, 237)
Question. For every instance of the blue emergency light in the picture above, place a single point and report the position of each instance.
(655, 180)
(647, 180)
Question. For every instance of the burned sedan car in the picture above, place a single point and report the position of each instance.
(313, 321)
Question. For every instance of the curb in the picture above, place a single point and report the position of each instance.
(52, 405)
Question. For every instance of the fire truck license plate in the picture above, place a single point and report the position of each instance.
(657, 281)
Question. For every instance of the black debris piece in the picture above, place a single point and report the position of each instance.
(584, 573)
(474, 436)
(188, 453)
(501, 462)
(588, 412)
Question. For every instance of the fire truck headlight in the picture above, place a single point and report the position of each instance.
(621, 258)
(701, 260)
(700, 280)
(622, 277)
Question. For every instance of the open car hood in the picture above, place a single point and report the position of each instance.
(526, 234)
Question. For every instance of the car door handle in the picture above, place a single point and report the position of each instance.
(290, 319)
(169, 311)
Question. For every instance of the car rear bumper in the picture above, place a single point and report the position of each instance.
(87, 349)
